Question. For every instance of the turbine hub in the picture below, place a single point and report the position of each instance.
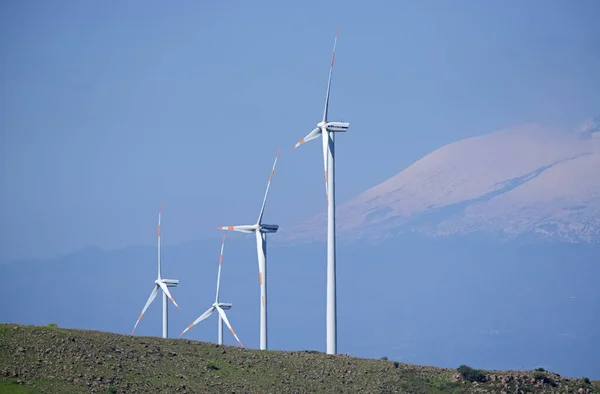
(321, 125)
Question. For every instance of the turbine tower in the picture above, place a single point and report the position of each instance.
(261, 230)
(163, 284)
(326, 130)
(219, 306)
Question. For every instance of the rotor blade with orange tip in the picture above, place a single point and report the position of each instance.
(159, 214)
(325, 140)
(243, 229)
(150, 299)
(165, 289)
(310, 136)
(224, 317)
(203, 316)
(262, 209)
(330, 73)
(219, 273)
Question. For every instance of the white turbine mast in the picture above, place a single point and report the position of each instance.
(326, 130)
(260, 230)
(220, 307)
(162, 284)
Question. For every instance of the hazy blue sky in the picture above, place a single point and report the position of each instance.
(108, 108)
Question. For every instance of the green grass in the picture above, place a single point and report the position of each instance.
(57, 360)
(10, 386)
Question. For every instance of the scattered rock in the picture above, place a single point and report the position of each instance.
(103, 362)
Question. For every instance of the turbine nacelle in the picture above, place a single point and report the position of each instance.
(168, 282)
(337, 127)
(269, 228)
(223, 305)
(333, 126)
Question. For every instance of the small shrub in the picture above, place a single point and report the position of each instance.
(471, 374)
(211, 365)
(540, 369)
(396, 364)
(539, 375)
(586, 380)
(384, 358)
(544, 378)
(53, 325)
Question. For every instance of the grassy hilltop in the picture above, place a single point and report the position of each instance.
(56, 360)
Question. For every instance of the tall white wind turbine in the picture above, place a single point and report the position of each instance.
(220, 307)
(162, 284)
(326, 130)
(261, 230)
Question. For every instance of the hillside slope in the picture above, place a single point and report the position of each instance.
(54, 360)
(524, 180)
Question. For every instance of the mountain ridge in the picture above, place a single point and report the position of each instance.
(529, 179)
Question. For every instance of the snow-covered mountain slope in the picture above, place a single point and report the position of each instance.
(521, 181)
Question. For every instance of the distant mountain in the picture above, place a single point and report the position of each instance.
(529, 181)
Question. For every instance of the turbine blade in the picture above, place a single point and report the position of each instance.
(310, 136)
(224, 317)
(203, 316)
(150, 299)
(159, 214)
(325, 140)
(219, 273)
(242, 229)
(259, 251)
(330, 73)
(262, 209)
(164, 288)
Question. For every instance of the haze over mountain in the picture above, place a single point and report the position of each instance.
(529, 180)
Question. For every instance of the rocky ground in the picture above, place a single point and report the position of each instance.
(56, 360)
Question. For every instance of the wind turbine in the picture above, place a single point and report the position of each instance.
(261, 230)
(219, 306)
(326, 130)
(163, 284)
